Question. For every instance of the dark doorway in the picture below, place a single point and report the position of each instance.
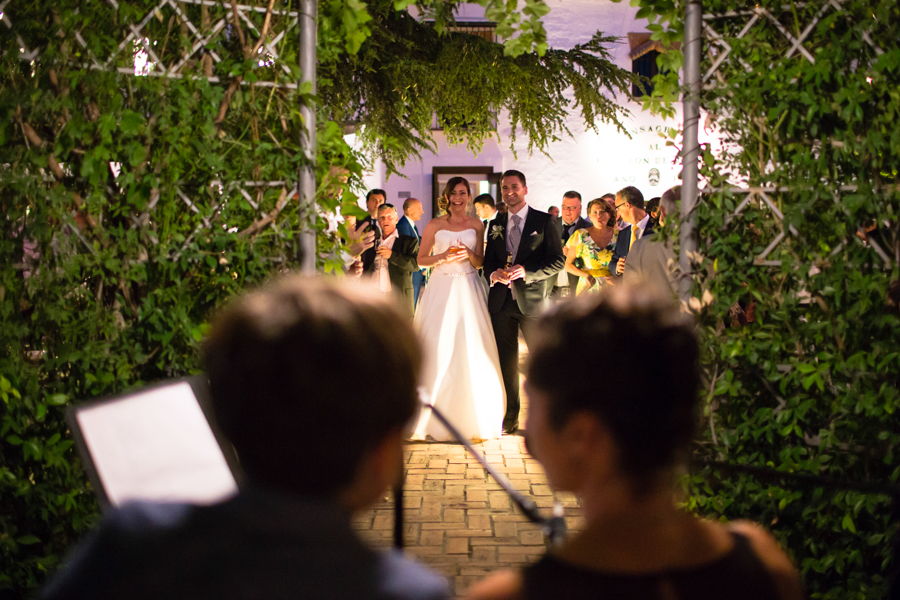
(480, 178)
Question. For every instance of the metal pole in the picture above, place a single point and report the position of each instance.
(398, 511)
(693, 38)
(306, 238)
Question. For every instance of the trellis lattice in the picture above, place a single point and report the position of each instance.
(762, 194)
(719, 53)
(122, 58)
(215, 29)
(760, 16)
(211, 215)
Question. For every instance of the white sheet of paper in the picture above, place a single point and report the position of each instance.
(156, 445)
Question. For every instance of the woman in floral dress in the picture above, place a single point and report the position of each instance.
(594, 246)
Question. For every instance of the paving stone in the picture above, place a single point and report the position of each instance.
(479, 521)
(541, 490)
(454, 515)
(499, 500)
(458, 545)
(431, 537)
(454, 491)
(531, 538)
(473, 495)
(505, 529)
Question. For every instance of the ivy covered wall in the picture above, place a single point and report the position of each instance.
(799, 244)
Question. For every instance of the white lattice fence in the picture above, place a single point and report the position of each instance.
(723, 33)
(185, 39)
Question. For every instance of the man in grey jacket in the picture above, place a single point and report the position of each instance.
(652, 260)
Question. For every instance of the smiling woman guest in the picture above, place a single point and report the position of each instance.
(620, 448)
(594, 246)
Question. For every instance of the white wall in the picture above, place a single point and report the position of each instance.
(590, 163)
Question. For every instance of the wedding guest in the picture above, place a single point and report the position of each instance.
(570, 222)
(630, 207)
(374, 198)
(358, 240)
(611, 200)
(395, 260)
(501, 207)
(412, 212)
(652, 260)
(277, 361)
(593, 248)
(652, 208)
(621, 450)
(521, 263)
(486, 210)
(553, 211)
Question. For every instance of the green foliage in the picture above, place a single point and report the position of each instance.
(811, 385)
(133, 206)
(108, 276)
(44, 505)
(407, 72)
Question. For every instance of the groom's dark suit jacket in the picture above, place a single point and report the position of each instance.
(540, 252)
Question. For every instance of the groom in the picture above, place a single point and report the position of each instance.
(523, 254)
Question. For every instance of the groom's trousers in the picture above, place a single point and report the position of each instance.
(506, 323)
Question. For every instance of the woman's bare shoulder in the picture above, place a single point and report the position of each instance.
(776, 561)
(503, 585)
(436, 224)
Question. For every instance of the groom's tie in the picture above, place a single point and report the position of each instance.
(515, 235)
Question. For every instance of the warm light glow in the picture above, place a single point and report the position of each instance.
(142, 64)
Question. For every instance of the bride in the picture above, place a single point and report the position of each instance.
(461, 370)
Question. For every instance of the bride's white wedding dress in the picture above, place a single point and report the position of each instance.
(461, 370)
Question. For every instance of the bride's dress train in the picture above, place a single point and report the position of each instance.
(461, 370)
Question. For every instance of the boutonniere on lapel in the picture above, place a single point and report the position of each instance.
(496, 232)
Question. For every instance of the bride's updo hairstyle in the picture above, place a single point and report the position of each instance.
(443, 203)
(647, 399)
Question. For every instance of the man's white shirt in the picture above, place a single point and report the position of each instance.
(411, 222)
(642, 225)
(381, 264)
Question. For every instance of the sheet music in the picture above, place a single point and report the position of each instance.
(156, 445)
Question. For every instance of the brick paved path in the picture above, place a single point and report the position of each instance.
(457, 519)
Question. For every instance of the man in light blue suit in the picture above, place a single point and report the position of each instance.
(412, 212)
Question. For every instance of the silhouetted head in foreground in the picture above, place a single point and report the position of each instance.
(310, 363)
(645, 406)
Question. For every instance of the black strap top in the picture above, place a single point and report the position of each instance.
(738, 575)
